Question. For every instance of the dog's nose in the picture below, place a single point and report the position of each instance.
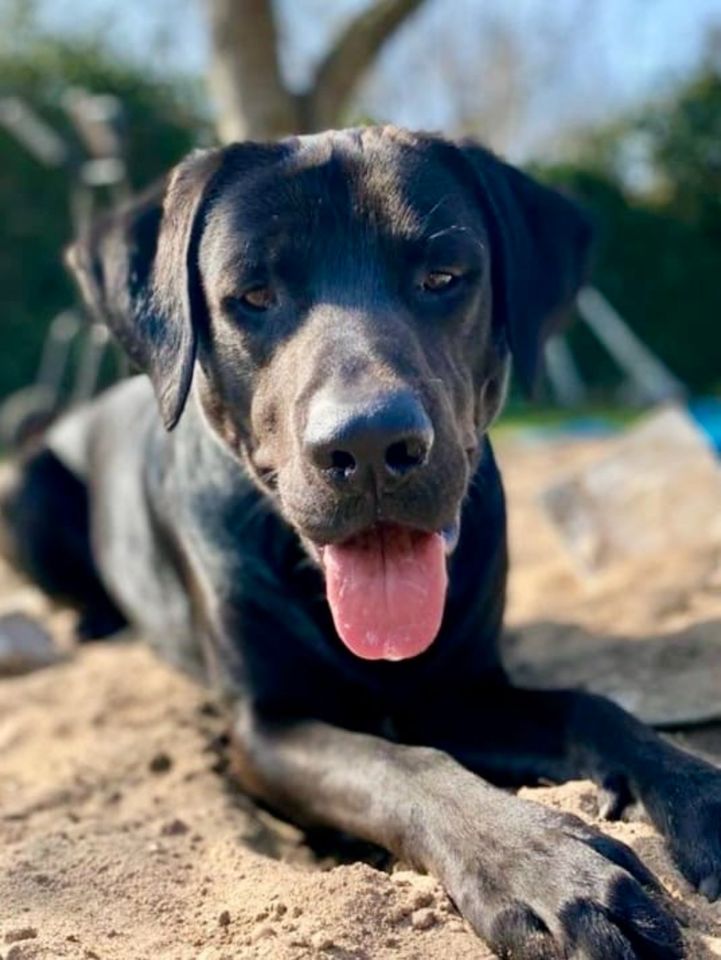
(380, 440)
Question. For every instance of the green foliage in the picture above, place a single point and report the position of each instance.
(687, 151)
(658, 218)
(164, 120)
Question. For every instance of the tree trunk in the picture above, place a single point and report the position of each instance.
(245, 82)
(245, 79)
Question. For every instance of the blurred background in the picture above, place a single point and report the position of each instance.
(617, 101)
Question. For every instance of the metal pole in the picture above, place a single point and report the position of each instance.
(653, 379)
(566, 381)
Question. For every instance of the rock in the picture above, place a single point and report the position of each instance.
(224, 919)
(21, 933)
(174, 828)
(423, 919)
(160, 763)
(25, 645)
(671, 680)
(321, 941)
(609, 512)
(422, 898)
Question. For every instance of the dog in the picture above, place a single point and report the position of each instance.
(297, 498)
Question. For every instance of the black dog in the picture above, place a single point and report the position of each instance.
(327, 324)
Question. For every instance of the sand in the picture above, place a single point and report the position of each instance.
(123, 838)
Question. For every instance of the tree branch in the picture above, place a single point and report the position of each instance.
(341, 70)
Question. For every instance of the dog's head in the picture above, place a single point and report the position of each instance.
(345, 307)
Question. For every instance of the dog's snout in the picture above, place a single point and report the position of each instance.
(378, 440)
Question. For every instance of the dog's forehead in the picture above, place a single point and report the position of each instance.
(347, 180)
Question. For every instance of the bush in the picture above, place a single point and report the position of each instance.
(658, 255)
(164, 120)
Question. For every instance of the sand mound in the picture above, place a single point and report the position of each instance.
(122, 839)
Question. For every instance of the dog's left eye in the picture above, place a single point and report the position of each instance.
(258, 298)
(438, 281)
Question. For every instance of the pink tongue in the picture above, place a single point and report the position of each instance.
(386, 590)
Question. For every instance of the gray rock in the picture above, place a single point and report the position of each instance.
(657, 488)
(24, 645)
(669, 681)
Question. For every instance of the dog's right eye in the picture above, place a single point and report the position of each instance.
(255, 299)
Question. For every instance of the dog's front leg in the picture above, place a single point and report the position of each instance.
(680, 792)
(514, 736)
(532, 881)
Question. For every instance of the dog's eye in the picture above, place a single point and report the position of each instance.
(438, 281)
(258, 298)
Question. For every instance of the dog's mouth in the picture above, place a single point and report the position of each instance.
(386, 589)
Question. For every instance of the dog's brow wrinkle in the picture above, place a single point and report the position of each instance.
(456, 228)
(459, 229)
(436, 206)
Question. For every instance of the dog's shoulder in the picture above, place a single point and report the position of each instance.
(115, 413)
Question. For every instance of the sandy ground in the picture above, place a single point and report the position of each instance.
(122, 838)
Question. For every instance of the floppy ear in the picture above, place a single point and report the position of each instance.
(137, 269)
(540, 246)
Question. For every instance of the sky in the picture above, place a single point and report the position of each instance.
(584, 60)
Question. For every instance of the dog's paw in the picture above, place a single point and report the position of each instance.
(549, 887)
(686, 807)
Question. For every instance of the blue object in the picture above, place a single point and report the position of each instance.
(706, 411)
